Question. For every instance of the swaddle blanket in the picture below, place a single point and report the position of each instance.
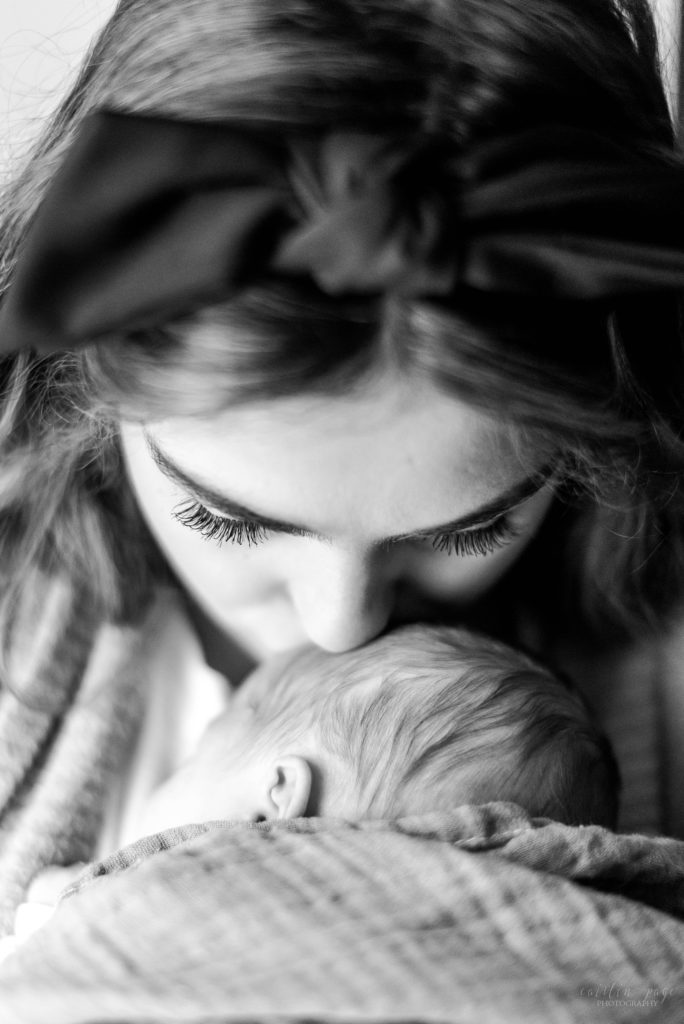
(481, 915)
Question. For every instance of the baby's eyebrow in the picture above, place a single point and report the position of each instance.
(227, 506)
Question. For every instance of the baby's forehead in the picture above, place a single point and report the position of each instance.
(277, 673)
(305, 670)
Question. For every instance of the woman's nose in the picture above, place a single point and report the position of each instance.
(343, 600)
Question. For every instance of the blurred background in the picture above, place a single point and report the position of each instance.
(43, 41)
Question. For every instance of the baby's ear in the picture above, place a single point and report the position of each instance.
(291, 787)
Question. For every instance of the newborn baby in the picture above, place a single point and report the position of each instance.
(422, 719)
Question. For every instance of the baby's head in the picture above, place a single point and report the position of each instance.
(422, 719)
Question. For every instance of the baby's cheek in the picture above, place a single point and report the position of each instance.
(168, 806)
(41, 901)
(49, 884)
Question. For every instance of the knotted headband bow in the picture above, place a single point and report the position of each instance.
(148, 219)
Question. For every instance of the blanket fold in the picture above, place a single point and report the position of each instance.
(479, 915)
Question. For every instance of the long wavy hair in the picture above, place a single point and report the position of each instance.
(602, 392)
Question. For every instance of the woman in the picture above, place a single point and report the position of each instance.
(378, 366)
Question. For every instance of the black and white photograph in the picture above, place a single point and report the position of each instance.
(341, 512)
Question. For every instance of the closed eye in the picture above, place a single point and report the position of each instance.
(232, 530)
(481, 540)
(220, 529)
(479, 532)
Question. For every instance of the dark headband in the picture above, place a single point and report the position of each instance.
(149, 219)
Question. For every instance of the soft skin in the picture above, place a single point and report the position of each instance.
(242, 771)
(352, 472)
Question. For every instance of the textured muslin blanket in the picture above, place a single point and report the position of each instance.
(482, 915)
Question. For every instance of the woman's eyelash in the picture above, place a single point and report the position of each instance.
(481, 541)
(219, 528)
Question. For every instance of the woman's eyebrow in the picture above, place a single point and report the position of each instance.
(225, 505)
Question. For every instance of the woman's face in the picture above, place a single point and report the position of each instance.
(325, 518)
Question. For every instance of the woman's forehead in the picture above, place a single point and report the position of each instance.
(416, 455)
(400, 418)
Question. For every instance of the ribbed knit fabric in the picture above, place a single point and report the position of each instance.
(69, 701)
(627, 696)
(637, 695)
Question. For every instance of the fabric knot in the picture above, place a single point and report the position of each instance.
(369, 222)
(149, 219)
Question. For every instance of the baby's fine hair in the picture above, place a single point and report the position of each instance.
(429, 717)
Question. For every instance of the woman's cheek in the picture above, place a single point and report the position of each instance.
(444, 577)
(464, 578)
(221, 574)
(225, 573)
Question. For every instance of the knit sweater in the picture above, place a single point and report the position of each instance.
(70, 702)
